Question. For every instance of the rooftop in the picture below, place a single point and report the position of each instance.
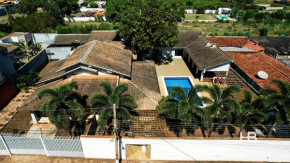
(15, 34)
(103, 36)
(69, 39)
(274, 45)
(252, 63)
(186, 37)
(206, 57)
(10, 47)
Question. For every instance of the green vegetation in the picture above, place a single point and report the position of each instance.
(199, 17)
(223, 109)
(28, 50)
(103, 103)
(25, 81)
(186, 108)
(145, 24)
(82, 29)
(63, 106)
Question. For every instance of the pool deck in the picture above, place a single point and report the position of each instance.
(176, 68)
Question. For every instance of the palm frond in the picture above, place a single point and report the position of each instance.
(123, 114)
(177, 92)
(98, 101)
(248, 96)
(104, 116)
(107, 88)
(47, 93)
(73, 84)
(283, 86)
(231, 104)
(229, 91)
(128, 101)
(120, 89)
(168, 106)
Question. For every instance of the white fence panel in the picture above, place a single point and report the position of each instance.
(3, 147)
(30, 145)
(63, 147)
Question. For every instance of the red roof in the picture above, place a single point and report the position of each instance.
(252, 63)
(229, 41)
(253, 46)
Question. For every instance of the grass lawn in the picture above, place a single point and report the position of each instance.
(231, 27)
(201, 17)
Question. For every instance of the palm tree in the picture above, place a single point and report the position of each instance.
(62, 107)
(104, 102)
(249, 114)
(223, 104)
(182, 105)
(280, 101)
(27, 50)
(189, 3)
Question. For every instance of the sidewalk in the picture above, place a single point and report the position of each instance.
(44, 159)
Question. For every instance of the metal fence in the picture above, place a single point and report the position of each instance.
(38, 145)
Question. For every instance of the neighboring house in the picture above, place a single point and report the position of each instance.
(6, 64)
(12, 50)
(236, 44)
(96, 62)
(224, 11)
(270, 7)
(249, 64)
(64, 44)
(16, 37)
(276, 47)
(202, 57)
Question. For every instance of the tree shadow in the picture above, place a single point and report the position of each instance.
(171, 123)
(79, 129)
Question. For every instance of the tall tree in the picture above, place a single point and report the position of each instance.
(223, 105)
(280, 99)
(62, 106)
(249, 115)
(153, 25)
(182, 105)
(189, 3)
(27, 6)
(104, 103)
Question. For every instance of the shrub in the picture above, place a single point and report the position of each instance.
(93, 5)
(24, 81)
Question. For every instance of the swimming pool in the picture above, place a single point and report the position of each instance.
(184, 82)
(223, 17)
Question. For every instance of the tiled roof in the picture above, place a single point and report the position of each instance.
(252, 63)
(145, 77)
(206, 57)
(101, 55)
(229, 41)
(253, 46)
(103, 36)
(186, 37)
(51, 73)
(69, 39)
(274, 45)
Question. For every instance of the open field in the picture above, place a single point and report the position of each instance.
(201, 17)
(231, 27)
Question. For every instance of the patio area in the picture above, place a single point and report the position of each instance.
(176, 68)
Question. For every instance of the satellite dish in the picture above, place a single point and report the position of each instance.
(263, 75)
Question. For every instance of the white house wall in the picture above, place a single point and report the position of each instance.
(43, 38)
(102, 148)
(221, 68)
(168, 52)
(59, 52)
(192, 150)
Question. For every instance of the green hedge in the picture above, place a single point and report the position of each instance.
(82, 29)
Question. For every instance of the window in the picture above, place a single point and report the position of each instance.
(138, 151)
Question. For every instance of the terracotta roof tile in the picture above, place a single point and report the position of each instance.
(252, 63)
(229, 41)
(253, 46)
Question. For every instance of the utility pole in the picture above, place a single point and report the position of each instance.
(115, 133)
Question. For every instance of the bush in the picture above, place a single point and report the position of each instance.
(85, 29)
(86, 3)
(105, 26)
(25, 81)
(93, 5)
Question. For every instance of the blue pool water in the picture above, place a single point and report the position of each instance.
(182, 82)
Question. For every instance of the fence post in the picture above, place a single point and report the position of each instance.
(42, 142)
(5, 145)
